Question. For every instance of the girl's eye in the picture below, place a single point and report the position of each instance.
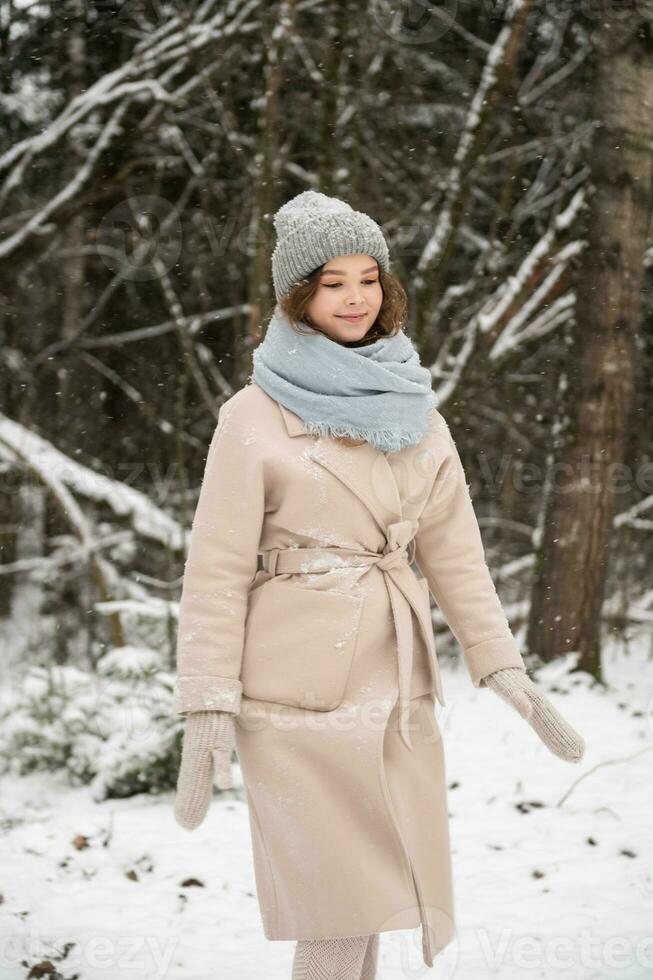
(333, 285)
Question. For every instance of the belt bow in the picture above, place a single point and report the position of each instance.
(400, 545)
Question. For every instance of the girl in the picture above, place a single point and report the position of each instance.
(335, 466)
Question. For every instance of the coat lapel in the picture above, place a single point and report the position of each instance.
(363, 469)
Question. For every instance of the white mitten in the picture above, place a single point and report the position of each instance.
(205, 760)
(517, 689)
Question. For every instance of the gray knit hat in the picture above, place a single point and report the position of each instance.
(313, 228)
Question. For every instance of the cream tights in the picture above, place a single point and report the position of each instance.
(340, 958)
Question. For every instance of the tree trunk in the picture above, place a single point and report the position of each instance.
(570, 577)
(73, 266)
(265, 166)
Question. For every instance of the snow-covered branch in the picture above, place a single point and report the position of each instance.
(143, 77)
(506, 40)
(512, 289)
(70, 477)
(12, 439)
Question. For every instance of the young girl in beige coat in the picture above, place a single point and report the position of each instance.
(334, 466)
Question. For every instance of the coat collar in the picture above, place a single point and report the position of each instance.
(294, 425)
(363, 469)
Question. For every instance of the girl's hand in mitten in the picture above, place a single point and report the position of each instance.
(205, 760)
(516, 688)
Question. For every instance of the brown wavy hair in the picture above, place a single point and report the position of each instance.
(390, 318)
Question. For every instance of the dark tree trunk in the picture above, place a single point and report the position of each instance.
(266, 166)
(570, 577)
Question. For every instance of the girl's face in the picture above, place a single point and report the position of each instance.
(349, 285)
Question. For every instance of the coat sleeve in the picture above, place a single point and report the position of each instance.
(220, 566)
(449, 552)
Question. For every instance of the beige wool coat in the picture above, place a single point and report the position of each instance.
(317, 645)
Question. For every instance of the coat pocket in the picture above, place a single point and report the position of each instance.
(299, 644)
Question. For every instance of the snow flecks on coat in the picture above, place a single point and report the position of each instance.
(324, 563)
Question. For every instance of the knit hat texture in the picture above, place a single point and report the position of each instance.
(313, 228)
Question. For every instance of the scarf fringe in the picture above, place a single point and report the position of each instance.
(387, 440)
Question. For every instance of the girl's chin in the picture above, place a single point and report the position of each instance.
(356, 340)
(355, 337)
(351, 329)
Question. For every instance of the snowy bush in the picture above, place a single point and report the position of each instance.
(115, 729)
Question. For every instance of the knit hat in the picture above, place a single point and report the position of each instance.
(313, 228)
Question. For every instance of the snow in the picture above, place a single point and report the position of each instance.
(552, 862)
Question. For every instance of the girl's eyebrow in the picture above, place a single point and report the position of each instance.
(339, 272)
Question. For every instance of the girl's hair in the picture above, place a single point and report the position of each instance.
(390, 318)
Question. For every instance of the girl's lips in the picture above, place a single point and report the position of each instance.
(353, 319)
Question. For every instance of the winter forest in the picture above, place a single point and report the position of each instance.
(505, 147)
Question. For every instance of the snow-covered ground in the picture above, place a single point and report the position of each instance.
(553, 863)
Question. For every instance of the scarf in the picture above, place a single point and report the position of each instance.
(378, 392)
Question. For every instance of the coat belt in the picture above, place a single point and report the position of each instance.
(403, 589)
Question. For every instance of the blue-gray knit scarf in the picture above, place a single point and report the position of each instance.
(378, 392)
